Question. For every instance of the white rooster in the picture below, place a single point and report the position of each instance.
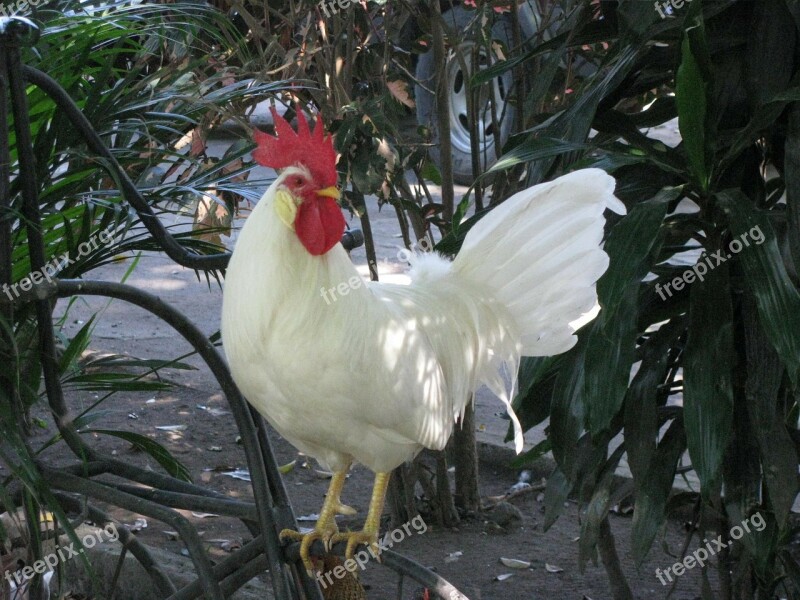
(382, 372)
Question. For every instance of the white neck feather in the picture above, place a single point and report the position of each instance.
(271, 272)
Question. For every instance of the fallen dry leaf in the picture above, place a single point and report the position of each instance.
(231, 545)
(213, 411)
(139, 524)
(172, 428)
(287, 468)
(311, 517)
(242, 474)
(514, 563)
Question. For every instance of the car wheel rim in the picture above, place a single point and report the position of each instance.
(457, 82)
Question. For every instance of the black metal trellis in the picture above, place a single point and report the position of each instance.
(271, 510)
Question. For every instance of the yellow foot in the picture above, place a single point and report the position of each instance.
(356, 538)
(306, 539)
(326, 524)
(369, 535)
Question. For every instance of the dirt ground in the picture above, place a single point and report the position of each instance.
(468, 556)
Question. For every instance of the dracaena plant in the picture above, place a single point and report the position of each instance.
(694, 357)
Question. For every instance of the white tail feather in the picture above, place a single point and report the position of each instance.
(539, 255)
(525, 273)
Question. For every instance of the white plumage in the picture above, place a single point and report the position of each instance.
(376, 375)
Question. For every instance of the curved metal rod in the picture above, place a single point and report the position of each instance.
(230, 571)
(170, 491)
(194, 544)
(162, 583)
(258, 455)
(246, 511)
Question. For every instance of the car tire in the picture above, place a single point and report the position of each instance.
(458, 19)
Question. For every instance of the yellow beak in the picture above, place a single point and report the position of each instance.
(330, 192)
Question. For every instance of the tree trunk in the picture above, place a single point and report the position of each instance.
(465, 458)
(462, 444)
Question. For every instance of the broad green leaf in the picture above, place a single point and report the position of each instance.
(568, 409)
(612, 122)
(641, 422)
(769, 59)
(651, 496)
(691, 96)
(574, 124)
(610, 350)
(536, 381)
(609, 357)
(767, 421)
(596, 510)
(708, 369)
(533, 149)
(161, 455)
(777, 298)
(611, 161)
(744, 484)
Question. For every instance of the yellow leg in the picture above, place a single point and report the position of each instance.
(326, 524)
(372, 526)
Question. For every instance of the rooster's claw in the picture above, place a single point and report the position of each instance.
(306, 540)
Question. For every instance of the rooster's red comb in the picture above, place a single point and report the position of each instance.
(314, 151)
